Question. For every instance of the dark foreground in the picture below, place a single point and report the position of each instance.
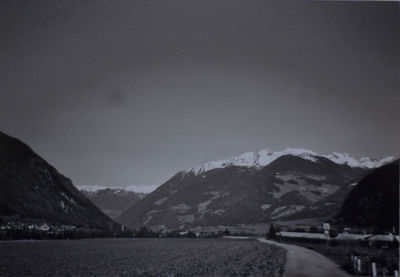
(140, 257)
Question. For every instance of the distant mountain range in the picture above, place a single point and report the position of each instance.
(32, 189)
(252, 188)
(249, 189)
(112, 201)
(374, 202)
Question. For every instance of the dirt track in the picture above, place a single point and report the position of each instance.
(301, 261)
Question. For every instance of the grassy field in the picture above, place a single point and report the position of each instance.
(140, 257)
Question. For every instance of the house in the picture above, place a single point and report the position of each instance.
(44, 227)
(382, 241)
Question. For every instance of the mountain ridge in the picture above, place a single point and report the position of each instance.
(265, 157)
(32, 189)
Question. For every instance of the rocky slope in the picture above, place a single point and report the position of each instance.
(32, 189)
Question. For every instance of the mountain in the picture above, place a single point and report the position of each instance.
(374, 202)
(251, 188)
(32, 189)
(111, 201)
(265, 157)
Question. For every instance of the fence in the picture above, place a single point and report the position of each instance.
(365, 265)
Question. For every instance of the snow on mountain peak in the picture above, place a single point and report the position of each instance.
(254, 159)
(343, 158)
(266, 156)
(372, 163)
(366, 162)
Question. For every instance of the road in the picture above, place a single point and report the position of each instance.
(301, 261)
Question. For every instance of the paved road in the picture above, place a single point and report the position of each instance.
(301, 261)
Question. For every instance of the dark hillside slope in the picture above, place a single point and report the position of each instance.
(30, 188)
(374, 202)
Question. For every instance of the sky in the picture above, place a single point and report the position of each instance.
(120, 93)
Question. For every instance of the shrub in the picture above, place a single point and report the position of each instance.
(144, 232)
(333, 233)
(314, 229)
(301, 230)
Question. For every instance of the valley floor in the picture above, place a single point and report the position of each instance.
(140, 257)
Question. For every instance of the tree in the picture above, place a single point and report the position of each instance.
(144, 232)
(226, 232)
(272, 232)
(333, 233)
(300, 230)
(314, 229)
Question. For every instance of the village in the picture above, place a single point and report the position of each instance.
(14, 230)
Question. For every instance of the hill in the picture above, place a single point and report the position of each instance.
(32, 189)
(374, 202)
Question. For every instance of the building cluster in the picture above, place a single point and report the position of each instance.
(43, 227)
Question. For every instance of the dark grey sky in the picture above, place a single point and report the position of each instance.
(130, 92)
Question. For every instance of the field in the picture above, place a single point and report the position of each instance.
(140, 257)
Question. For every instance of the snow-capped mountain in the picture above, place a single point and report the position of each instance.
(265, 157)
(365, 162)
(252, 188)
